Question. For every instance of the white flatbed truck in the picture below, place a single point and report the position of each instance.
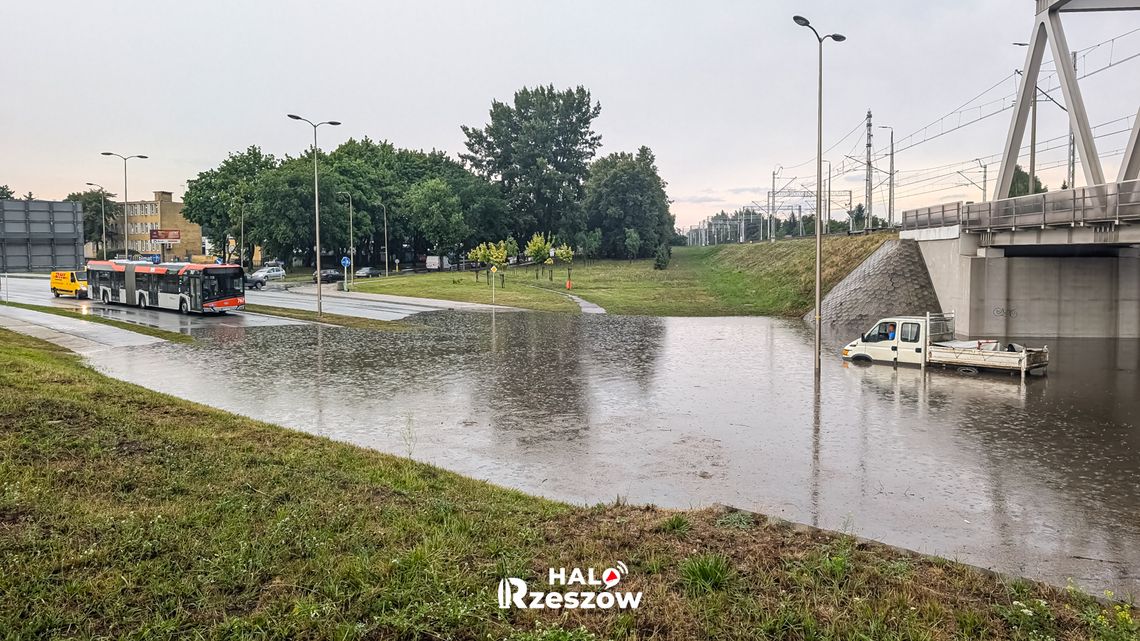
(929, 340)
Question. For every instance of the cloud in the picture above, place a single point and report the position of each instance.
(699, 199)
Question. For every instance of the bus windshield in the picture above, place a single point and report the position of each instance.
(221, 283)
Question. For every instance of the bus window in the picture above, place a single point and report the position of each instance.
(221, 283)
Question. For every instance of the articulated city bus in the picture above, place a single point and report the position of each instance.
(185, 287)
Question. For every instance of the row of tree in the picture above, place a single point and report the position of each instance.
(530, 170)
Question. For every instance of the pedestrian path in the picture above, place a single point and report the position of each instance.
(79, 336)
(586, 306)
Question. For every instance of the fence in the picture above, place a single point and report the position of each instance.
(1099, 204)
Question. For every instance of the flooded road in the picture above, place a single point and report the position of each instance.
(1040, 479)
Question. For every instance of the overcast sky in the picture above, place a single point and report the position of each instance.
(722, 91)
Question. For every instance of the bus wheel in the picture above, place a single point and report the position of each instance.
(182, 307)
(142, 302)
(106, 298)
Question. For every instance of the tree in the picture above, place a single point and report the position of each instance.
(632, 243)
(94, 202)
(29, 196)
(624, 191)
(538, 150)
(282, 210)
(1020, 184)
(512, 246)
(538, 250)
(436, 211)
(6, 193)
(217, 198)
(661, 256)
(565, 255)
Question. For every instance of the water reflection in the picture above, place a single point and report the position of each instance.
(1035, 478)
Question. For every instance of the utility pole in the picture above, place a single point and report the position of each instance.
(1072, 140)
(772, 211)
(984, 176)
(1033, 143)
(867, 196)
(800, 215)
(891, 176)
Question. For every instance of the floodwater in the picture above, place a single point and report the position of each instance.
(1040, 479)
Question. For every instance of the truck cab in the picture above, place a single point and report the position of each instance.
(900, 339)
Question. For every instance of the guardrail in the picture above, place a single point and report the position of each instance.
(1098, 204)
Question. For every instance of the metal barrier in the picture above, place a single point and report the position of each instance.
(1094, 205)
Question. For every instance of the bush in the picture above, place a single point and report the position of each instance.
(705, 573)
(661, 258)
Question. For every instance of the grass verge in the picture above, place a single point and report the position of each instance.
(461, 286)
(759, 279)
(763, 279)
(355, 322)
(130, 514)
(175, 337)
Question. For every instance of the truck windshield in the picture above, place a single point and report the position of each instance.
(80, 276)
(221, 283)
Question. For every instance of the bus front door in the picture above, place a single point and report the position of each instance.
(195, 294)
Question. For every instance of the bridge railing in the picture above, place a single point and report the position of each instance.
(1097, 204)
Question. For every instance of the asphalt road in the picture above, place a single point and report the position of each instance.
(36, 291)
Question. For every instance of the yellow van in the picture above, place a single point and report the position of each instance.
(69, 283)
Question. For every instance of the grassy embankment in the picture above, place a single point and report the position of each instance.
(129, 514)
(176, 337)
(769, 279)
(355, 322)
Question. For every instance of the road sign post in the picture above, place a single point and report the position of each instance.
(344, 262)
(494, 270)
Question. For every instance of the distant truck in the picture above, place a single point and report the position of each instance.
(929, 340)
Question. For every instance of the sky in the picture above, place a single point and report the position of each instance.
(723, 91)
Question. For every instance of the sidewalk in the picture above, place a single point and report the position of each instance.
(331, 291)
(78, 336)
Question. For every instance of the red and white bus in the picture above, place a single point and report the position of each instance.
(186, 287)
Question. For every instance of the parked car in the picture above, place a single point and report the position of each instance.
(270, 273)
(369, 272)
(253, 281)
(329, 276)
(273, 263)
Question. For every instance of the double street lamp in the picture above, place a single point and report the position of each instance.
(316, 198)
(102, 213)
(804, 22)
(126, 232)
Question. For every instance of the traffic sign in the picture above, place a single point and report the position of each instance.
(344, 261)
(494, 269)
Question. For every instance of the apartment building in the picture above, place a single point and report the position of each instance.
(165, 214)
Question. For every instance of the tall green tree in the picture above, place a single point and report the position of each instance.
(1020, 184)
(632, 243)
(6, 193)
(538, 149)
(625, 191)
(282, 211)
(95, 202)
(435, 210)
(217, 198)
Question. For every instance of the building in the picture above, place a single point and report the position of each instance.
(162, 213)
(40, 235)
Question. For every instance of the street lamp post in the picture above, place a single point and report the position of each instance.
(316, 199)
(803, 22)
(351, 240)
(102, 213)
(387, 258)
(827, 229)
(126, 232)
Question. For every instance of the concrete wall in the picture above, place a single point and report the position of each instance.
(995, 295)
(40, 235)
(891, 281)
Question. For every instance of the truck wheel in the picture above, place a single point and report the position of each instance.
(862, 359)
(55, 293)
(968, 370)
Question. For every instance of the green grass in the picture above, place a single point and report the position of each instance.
(176, 337)
(461, 286)
(763, 279)
(130, 514)
(356, 322)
